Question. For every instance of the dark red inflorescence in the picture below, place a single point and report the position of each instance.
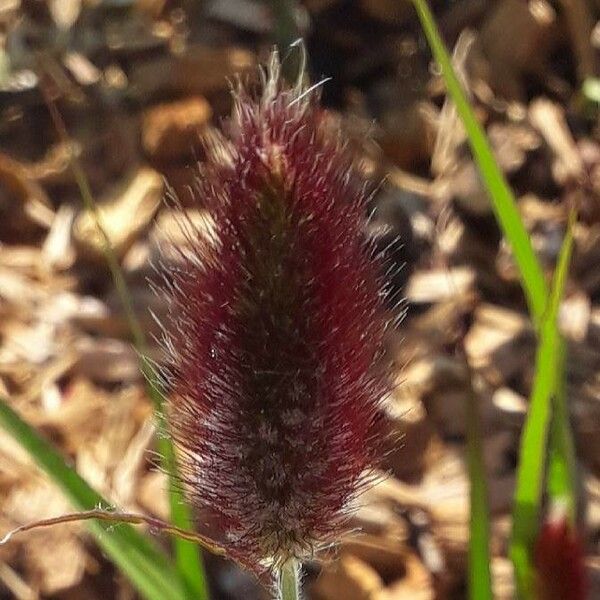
(559, 561)
(275, 329)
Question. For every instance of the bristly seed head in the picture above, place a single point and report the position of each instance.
(275, 331)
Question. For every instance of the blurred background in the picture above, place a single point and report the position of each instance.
(133, 85)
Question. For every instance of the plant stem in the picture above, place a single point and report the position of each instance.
(502, 199)
(480, 580)
(289, 580)
(188, 558)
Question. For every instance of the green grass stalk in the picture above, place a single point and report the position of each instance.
(187, 554)
(561, 481)
(479, 575)
(139, 559)
(500, 194)
(289, 580)
(532, 464)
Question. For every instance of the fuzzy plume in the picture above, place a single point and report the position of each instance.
(274, 332)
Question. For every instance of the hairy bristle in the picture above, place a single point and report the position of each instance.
(275, 331)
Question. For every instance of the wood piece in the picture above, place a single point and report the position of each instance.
(503, 584)
(350, 578)
(404, 135)
(549, 118)
(532, 26)
(511, 144)
(172, 131)
(56, 559)
(172, 230)
(65, 12)
(407, 423)
(106, 360)
(574, 316)
(200, 70)
(58, 250)
(439, 284)
(450, 131)
(152, 494)
(388, 11)
(417, 583)
(16, 584)
(500, 348)
(580, 24)
(23, 203)
(386, 554)
(82, 69)
(511, 406)
(124, 216)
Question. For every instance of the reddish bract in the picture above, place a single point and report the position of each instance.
(559, 560)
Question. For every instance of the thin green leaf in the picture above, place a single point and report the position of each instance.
(530, 473)
(479, 576)
(480, 579)
(561, 481)
(187, 554)
(148, 568)
(501, 196)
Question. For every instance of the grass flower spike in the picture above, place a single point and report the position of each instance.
(275, 332)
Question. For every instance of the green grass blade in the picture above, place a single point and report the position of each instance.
(479, 575)
(187, 554)
(502, 199)
(148, 568)
(561, 480)
(480, 579)
(549, 383)
(530, 473)
(532, 463)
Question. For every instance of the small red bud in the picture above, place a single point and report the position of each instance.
(275, 328)
(559, 561)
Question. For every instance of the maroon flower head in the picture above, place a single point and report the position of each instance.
(274, 332)
(559, 560)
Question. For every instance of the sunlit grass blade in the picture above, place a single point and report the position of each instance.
(148, 568)
(479, 576)
(561, 469)
(532, 463)
(501, 196)
(187, 554)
